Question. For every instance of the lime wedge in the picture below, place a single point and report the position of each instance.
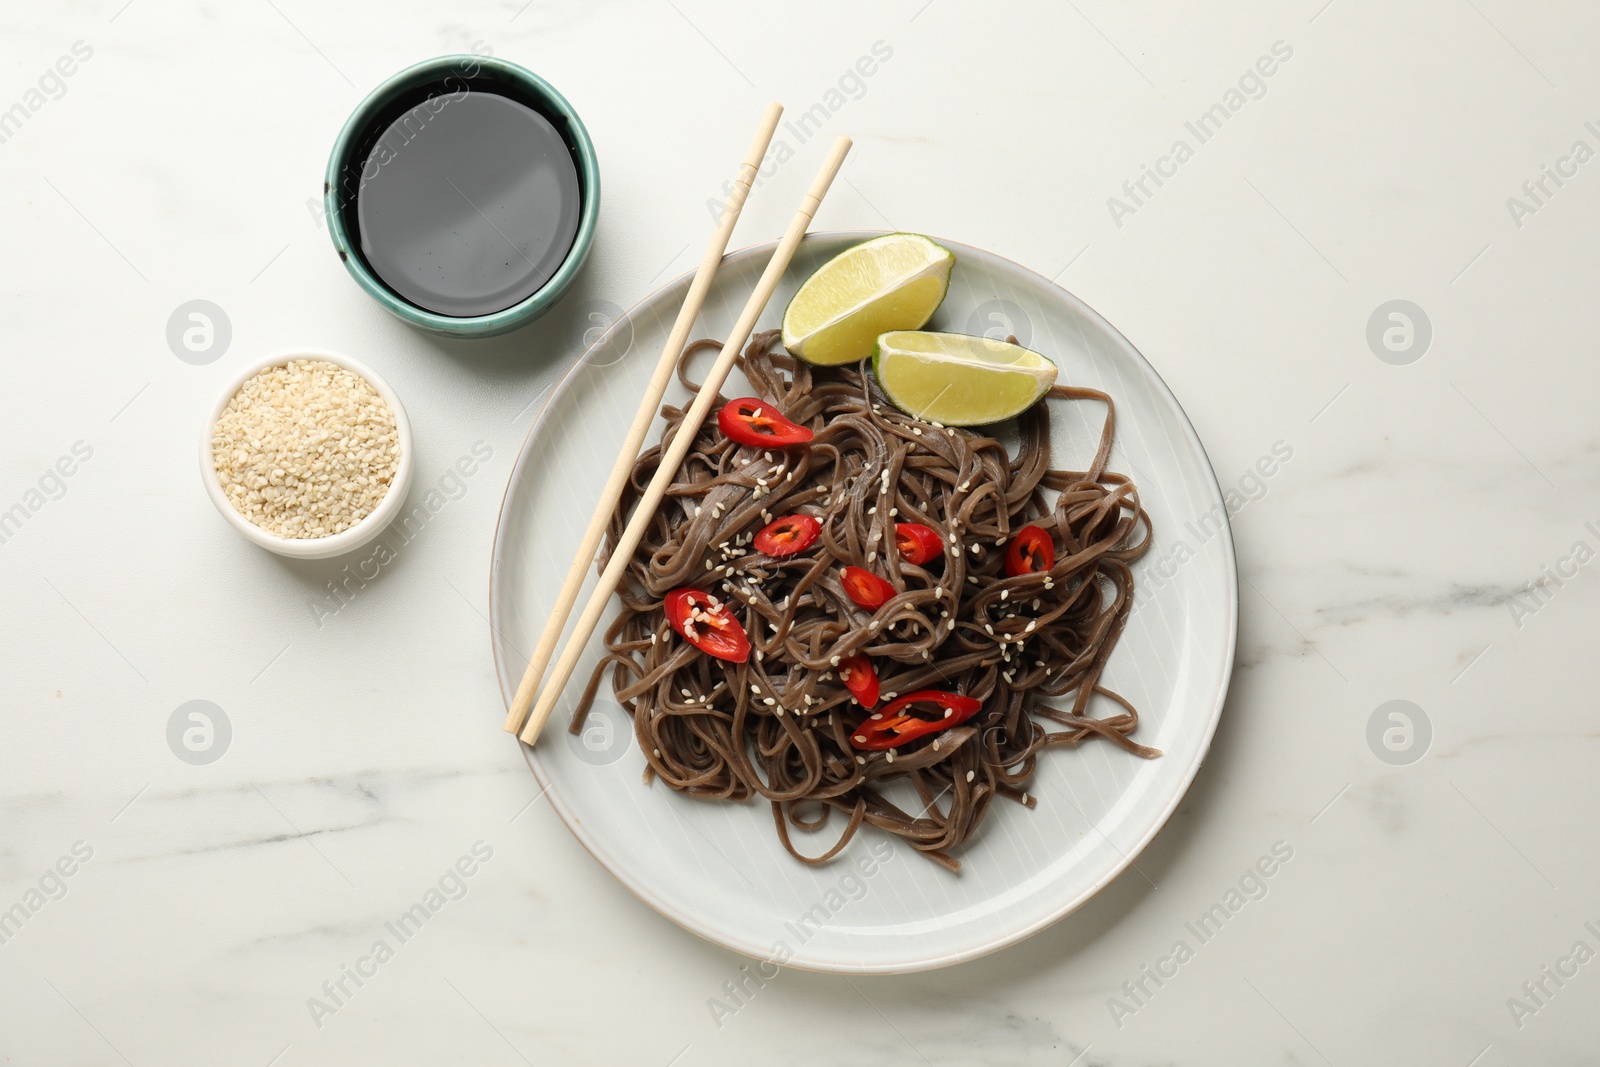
(957, 380)
(895, 282)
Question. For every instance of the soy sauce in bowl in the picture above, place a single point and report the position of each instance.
(463, 195)
(468, 203)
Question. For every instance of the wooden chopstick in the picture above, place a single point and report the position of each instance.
(703, 275)
(682, 440)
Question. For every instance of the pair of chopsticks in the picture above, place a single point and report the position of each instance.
(518, 716)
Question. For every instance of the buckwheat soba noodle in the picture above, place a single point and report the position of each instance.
(781, 725)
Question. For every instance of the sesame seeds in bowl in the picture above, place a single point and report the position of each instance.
(308, 454)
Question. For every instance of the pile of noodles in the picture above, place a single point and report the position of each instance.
(779, 726)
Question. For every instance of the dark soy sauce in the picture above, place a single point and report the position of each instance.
(468, 203)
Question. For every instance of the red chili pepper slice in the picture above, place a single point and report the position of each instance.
(788, 535)
(1031, 551)
(895, 724)
(917, 543)
(865, 588)
(859, 676)
(753, 421)
(707, 624)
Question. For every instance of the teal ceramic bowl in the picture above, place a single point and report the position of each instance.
(403, 92)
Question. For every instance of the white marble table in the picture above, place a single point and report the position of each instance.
(1414, 496)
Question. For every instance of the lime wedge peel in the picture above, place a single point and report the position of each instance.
(957, 380)
(894, 282)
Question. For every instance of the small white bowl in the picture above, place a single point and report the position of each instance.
(312, 547)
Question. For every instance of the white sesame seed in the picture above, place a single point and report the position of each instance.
(305, 450)
(917, 430)
(889, 756)
(949, 712)
(1004, 593)
(769, 701)
(1031, 625)
(834, 660)
(860, 740)
(879, 715)
(861, 759)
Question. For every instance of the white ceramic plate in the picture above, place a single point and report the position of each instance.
(717, 868)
